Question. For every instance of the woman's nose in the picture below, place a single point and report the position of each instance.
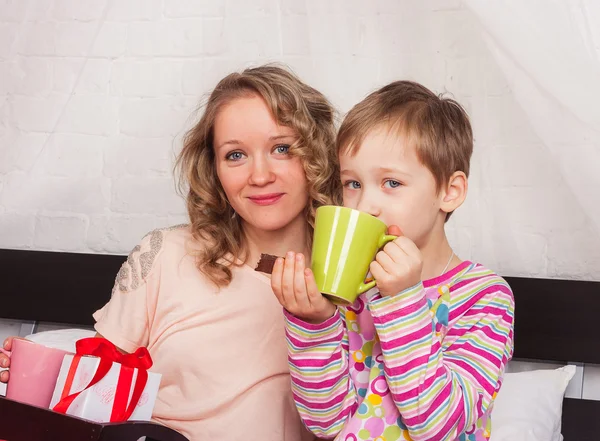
(261, 173)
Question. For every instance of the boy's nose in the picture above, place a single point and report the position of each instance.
(367, 206)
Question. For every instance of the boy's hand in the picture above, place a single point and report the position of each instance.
(398, 266)
(295, 288)
(5, 360)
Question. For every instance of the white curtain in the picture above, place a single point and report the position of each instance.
(549, 50)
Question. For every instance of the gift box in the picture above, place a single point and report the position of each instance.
(101, 384)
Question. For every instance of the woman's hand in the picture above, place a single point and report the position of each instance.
(5, 359)
(295, 287)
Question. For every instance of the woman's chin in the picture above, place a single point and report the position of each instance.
(275, 223)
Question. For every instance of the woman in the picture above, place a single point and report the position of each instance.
(257, 165)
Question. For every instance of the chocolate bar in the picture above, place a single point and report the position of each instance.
(265, 263)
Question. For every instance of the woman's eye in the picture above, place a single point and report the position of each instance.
(390, 183)
(352, 185)
(234, 156)
(282, 149)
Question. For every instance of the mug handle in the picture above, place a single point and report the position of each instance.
(385, 239)
(364, 287)
(5, 352)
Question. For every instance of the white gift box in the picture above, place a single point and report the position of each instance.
(96, 403)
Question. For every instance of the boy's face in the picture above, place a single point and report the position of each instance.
(386, 179)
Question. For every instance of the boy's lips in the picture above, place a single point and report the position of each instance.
(266, 199)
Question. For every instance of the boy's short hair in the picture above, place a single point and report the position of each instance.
(438, 127)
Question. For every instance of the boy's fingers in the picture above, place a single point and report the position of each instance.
(395, 252)
(377, 270)
(409, 247)
(4, 377)
(395, 230)
(415, 251)
(385, 261)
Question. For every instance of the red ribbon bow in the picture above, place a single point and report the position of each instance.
(108, 354)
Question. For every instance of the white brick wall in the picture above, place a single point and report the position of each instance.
(95, 95)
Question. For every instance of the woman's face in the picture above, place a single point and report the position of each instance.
(264, 184)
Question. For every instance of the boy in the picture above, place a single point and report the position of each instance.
(421, 356)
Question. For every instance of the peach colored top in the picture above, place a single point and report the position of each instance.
(222, 354)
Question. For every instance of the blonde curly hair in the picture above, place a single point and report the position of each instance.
(293, 104)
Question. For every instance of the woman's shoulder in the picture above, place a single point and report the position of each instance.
(173, 236)
(147, 255)
(161, 239)
(164, 252)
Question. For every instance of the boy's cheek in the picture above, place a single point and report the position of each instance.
(350, 204)
(350, 199)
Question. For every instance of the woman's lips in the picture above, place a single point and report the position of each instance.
(266, 199)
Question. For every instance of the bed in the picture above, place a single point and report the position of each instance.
(555, 322)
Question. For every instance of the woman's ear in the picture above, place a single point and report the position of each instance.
(455, 192)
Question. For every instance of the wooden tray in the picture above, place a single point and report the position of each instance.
(22, 422)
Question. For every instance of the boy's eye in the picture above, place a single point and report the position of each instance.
(234, 156)
(390, 183)
(352, 185)
(282, 149)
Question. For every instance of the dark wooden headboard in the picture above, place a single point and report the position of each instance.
(555, 320)
(56, 287)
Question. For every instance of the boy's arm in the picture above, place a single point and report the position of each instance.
(441, 391)
(321, 384)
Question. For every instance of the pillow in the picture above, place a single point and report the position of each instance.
(62, 338)
(529, 405)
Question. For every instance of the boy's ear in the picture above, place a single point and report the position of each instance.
(455, 192)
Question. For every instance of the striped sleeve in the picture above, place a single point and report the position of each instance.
(318, 359)
(443, 387)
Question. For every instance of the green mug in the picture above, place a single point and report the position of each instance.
(344, 245)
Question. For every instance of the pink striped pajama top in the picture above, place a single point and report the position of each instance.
(425, 364)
